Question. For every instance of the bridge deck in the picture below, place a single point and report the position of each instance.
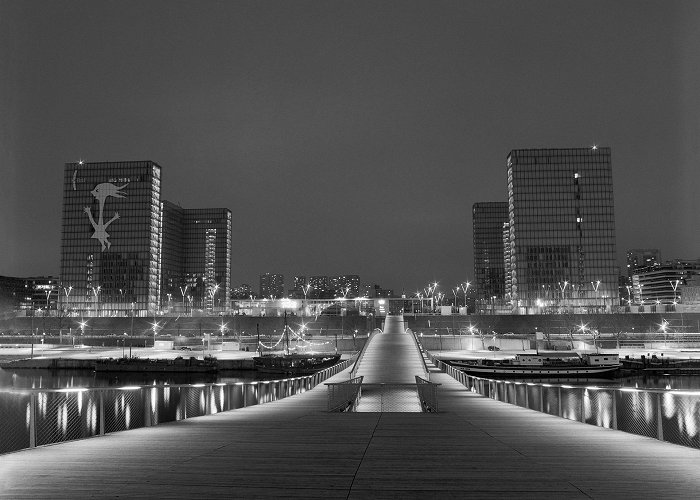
(391, 357)
(475, 447)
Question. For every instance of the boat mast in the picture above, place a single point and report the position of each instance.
(286, 334)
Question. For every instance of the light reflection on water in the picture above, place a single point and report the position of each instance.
(64, 379)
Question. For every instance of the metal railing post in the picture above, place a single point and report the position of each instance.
(659, 417)
(102, 414)
(559, 402)
(614, 409)
(32, 420)
(527, 397)
(207, 400)
(148, 408)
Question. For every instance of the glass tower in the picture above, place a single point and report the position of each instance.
(110, 246)
(561, 229)
(196, 258)
(488, 219)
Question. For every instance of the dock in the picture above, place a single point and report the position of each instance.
(474, 447)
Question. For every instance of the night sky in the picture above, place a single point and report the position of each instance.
(348, 137)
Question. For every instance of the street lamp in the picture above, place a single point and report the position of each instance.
(674, 284)
(155, 326)
(183, 291)
(465, 288)
(304, 289)
(96, 292)
(67, 292)
(212, 293)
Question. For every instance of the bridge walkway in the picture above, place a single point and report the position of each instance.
(475, 447)
(389, 367)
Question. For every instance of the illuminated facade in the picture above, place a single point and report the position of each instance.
(344, 286)
(489, 263)
(271, 286)
(111, 238)
(638, 258)
(561, 229)
(662, 283)
(196, 258)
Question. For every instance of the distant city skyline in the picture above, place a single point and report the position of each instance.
(348, 137)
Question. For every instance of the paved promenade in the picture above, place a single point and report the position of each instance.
(474, 448)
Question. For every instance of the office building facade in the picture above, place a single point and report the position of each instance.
(111, 238)
(196, 258)
(561, 229)
(488, 219)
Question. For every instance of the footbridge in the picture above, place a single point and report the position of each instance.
(473, 447)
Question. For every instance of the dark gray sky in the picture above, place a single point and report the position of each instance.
(348, 137)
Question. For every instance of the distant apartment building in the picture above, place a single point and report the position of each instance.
(271, 286)
(298, 290)
(318, 287)
(638, 258)
(33, 295)
(663, 283)
(242, 291)
(344, 286)
(488, 219)
(561, 229)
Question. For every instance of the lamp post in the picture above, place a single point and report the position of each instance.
(595, 286)
(465, 288)
(212, 293)
(674, 284)
(67, 292)
(155, 327)
(96, 293)
(305, 289)
(183, 291)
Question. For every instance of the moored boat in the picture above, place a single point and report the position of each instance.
(294, 364)
(539, 365)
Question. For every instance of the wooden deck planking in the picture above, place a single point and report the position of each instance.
(475, 447)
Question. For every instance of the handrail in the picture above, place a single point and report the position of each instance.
(647, 412)
(36, 417)
(344, 396)
(353, 372)
(427, 393)
(420, 352)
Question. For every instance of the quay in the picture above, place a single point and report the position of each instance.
(474, 447)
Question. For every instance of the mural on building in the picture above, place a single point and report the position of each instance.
(101, 192)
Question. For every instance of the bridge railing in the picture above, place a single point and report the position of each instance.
(358, 360)
(421, 352)
(427, 394)
(36, 417)
(344, 396)
(672, 416)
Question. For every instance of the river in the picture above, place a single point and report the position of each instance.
(64, 379)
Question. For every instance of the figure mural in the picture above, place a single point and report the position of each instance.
(101, 192)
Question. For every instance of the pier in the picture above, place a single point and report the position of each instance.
(473, 447)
